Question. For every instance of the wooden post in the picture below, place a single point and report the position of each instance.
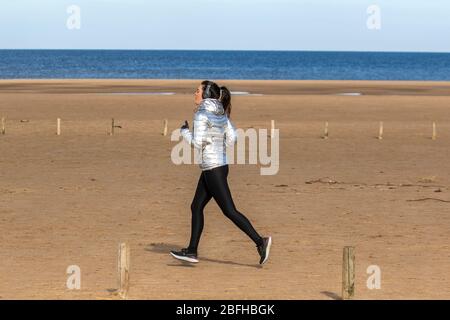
(124, 270)
(166, 122)
(433, 137)
(348, 273)
(3, 126)
(325, 134)
(58, 126)
(380, 132)
(112, 126)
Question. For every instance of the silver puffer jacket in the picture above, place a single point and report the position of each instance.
(212, 132)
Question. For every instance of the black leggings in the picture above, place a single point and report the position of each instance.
(213, 184)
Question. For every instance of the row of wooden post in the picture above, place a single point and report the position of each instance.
(325, 135)
(348, 272)
(166, 123)
(380, 131)
(58, 126)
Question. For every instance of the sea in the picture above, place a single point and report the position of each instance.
(251, 65)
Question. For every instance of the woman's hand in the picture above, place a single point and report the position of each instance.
(185, 125)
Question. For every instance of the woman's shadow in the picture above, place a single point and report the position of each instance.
(164, 248)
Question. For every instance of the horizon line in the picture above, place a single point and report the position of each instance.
(226, 50)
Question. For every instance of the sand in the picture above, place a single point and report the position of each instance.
(71, 199)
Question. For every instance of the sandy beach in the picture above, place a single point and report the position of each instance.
(71, 199)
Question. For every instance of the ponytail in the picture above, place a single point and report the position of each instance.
(225, 99)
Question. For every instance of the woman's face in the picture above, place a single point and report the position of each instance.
(198, 95)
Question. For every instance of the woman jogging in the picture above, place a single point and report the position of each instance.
(212, 132)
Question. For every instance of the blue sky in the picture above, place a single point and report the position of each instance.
(406, 25)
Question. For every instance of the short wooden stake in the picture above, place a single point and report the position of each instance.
(434, 131)
(325, 134)
(348, 273)
(3, 126)
(58, 126)
(166, 122)
(124, 270)
(380, 132)
(112, 126)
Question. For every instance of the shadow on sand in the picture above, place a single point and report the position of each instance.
(164, 248)
(331, 295)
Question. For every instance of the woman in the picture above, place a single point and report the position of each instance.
(211, 133)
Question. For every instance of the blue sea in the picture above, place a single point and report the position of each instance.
(180, 64)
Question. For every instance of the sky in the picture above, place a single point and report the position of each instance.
(315, 25)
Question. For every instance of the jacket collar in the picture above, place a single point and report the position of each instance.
(212, 105)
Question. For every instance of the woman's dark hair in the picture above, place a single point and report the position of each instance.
(213, 91)
(225, 98)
